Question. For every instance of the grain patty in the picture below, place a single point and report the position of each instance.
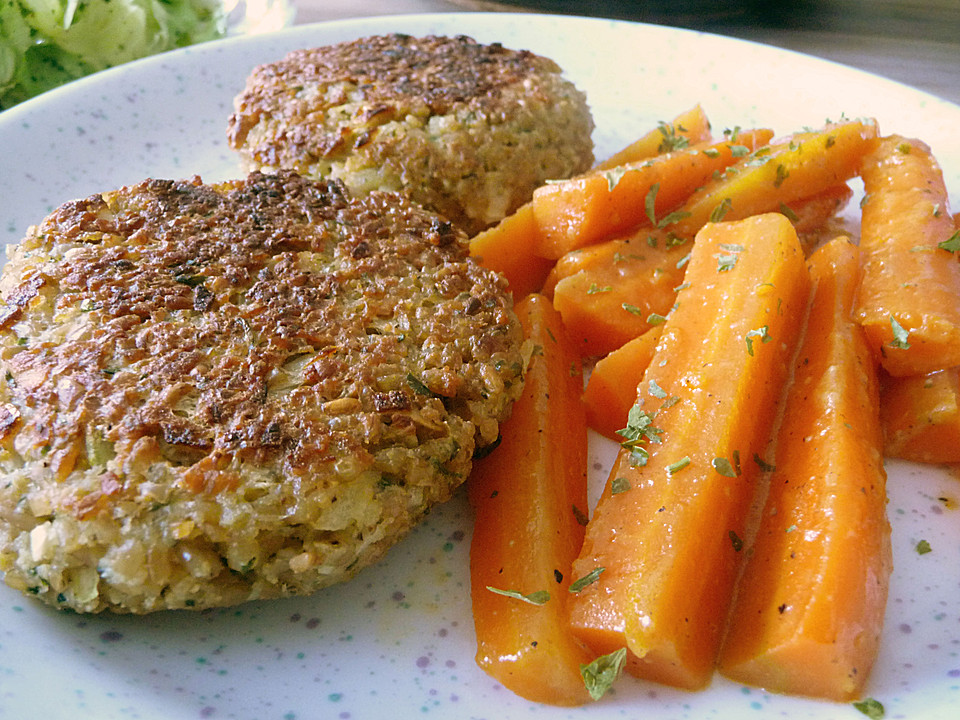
(469, 130)
(216, 393)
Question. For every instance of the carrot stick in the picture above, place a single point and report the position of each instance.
(807, 164)
(594, 207)
(529, 495)
(667, 532)
(810, 603)
(688, 128)
(612, 388)
(910, 295)
(507, 248)
(621, 288)
(920, 416)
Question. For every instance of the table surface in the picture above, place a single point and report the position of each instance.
(916, 43)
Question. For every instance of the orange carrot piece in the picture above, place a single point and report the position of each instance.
(690, 127)
(812, 216)
(508, 248)
(810, 603)
(668, 532)
(806, 165)
(612, 388)
(594, 207)
(529, 496)
(619, 290)
(910, 295)
(920, 416)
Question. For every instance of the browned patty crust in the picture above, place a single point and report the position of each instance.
(469, 129)
(217, 393)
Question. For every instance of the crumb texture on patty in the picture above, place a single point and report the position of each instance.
(216, 393)
(468, 129)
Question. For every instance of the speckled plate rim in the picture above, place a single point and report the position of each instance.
(400, 635)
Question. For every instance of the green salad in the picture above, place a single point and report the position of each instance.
(45, 43)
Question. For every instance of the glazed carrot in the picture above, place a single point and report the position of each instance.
(920, 416)
(619, 288)
(612, 388)
(910, 296)
(811, 215)
(508, 248)
(688, 128)
(807, 164)
(668, 532)
(810, 604)
(529, 496)
(594, 207)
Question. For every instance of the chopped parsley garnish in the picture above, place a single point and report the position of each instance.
(873, 709)
(762, 464)
(952, 243)
(656, 390)
(600, 675)
(761, 332)
(788, 213)
(671, 141)
(923, 547)
(711, 152)
(650, 202)
(723, 467)
(535, 598)
(739, 150)
(679, 465)
(639, 429)
(632, 309)
(588, 579)
(727, 260)
(782, 174)
(656, 319)
(900, 335)
(619, 485)
(594, 289)
(736, 541)
(418, 385)
(672, 218)
(614, 176)
(721, 210)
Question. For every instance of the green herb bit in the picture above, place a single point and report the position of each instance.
(418, 385)
(594, 289)
(900, 335)
(782, 174)
(739, 150)
(923, 547)
(904, 148)
(951, 244)
(650, 201)
(723, 467)
(619, 485)
(535, 598)
(873, 709)
(672, 218)
(614, 176)
(600, 675)
(762, 464)
(639, 429)
(734, 134)
(652, 240)
(788, 213)
(656, 319)
(726, 261)
(679, 465)
(633, 309)
(671, 141)
(736, 541)
(762, 333)
(711, 152)
(683, 261)
(721, 210)
(588, 579)
(656, 390)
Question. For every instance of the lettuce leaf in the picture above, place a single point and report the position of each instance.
(45, 43)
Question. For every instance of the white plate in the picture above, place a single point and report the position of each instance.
(398, 641)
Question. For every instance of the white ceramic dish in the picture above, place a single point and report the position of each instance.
(398, 642)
